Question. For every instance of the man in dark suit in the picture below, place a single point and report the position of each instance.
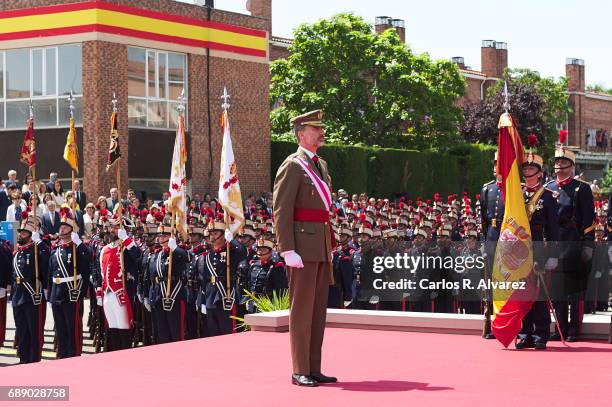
(112, 200)
(51, 220)
(80, 196)
(52, 178)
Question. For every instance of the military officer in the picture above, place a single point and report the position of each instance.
(119, 261)
(302, 203)
(492, 215)
(266, 274)
(69, 268)
(343, 270)
(198, 249)
(28, 284)
(167, 296)
(543, 222)
(212, 276)
(5, 275)
(576, 214)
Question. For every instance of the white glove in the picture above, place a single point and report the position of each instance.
(76, 239)
(172, 244)
(203, 309)
(36, 237)
(551, 264)
(122, 234)
(228, 236)
(292, 259)
(99, 301)
(2, 292)
(598, 274)
(140, 298)
(587, 254)
(147, 304)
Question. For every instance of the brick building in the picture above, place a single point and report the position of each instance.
(146, 51)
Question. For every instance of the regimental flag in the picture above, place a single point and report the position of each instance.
(28, 149)
(177, 203)
(514, 252)
(71, 152)
(229, 187)
(113, 150)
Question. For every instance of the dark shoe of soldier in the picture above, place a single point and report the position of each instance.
(303, 380)
(572, 339)
(489, 336)
(555, 336)
(540, 345)
(321, 378)
(525, 343)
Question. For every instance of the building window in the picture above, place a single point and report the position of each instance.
(155, 81)
(44, 76)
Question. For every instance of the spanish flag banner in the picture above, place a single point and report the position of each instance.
(230, 197)
(71, 152)
(513, 261)
(177, 203)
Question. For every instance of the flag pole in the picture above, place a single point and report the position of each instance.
(181, 109)
(225, 107)
(34, 195)
(74, 226)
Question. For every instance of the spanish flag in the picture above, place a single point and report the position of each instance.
(514, 252)
(71, 152)
(230, 197)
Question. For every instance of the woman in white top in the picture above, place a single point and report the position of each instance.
(13, 213)
(88, 219)
(58, 193)
(26, 184)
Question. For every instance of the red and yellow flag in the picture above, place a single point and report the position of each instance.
(28, 149)
(71, 152)
(177, 203)
(514, 252)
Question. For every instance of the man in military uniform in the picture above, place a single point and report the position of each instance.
(68, 286)
(30, 277)
(343, 270)
(576, 214)
(198, 249)
(5, 275)
(118, 272)
(148, 249)
(302, 202)
(212, 276)
(544, 225)
(492, 215)
(167, 301)
(266, 274)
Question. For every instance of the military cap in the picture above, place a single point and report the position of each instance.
(261, 242)
(308, 119)
(534, 159)
(563, 152)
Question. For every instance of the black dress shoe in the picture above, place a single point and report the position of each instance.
(489, 336)
(321, 378)
(540, 345)
(554, 336)
(571, 339)
(525, 343)
(303, 380)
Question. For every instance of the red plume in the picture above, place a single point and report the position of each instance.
(532, 140)
(562, 136)
(478, 197)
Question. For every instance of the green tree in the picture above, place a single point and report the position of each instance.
(372, 88)
(538, 103)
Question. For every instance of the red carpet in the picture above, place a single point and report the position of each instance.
(376, 368)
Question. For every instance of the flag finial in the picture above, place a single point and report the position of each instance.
(225, 98)
(181, 99)
(114, 102)
(71, 100)
(506, 102)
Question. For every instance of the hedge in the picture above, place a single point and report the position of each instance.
(386, 172)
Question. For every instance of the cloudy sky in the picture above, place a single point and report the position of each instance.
(540, 34)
